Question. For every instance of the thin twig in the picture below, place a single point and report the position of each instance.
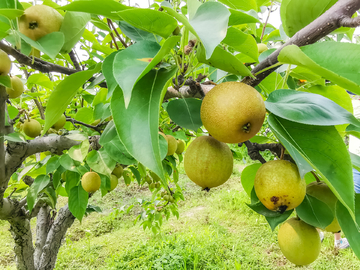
(117, 33)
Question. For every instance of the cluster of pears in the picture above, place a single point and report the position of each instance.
(91, 181)
(167, 196)
(153, 181)
(232, 112)
(174, 145)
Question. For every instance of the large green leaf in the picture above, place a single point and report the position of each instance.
(272, 82)
(79, 152)
(108, 134)
(308, 108)
(349, 226)
(107, 8)
(185, 112)
(248, 177)
(150, 20)
(238, 17)
(50, 44)
(73, 27)
(315, 212)
(131, 64)
(137, 34)
(107, 69)
(240, 4)
(137, 125)
(11, 13)
(64, 92)
(295, 14)
(39, 184)
(333, 61)
(242, 42)
(210, 23)
(223, 60)
(118, 152)
(78, 200)
(320, 148)
(101, 162)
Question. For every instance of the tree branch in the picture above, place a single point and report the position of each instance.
(57, 232)
(350, 22)
(332, 19)
(74, 60)
(42, 229)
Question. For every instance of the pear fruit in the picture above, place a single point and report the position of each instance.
(60, 123)
(208, 162)
(17, 87)
(32, 128)
(323, 193)
(233, 112)
(118, 171)
(5, 63)
(172, 145)
(180, 146)
(91, 181)
(114, 181)
(299, 241)
(40, 20)
(278, 185)
(262, 48)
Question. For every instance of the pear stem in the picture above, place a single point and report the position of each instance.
(316, 177)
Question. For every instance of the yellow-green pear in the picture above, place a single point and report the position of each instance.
(172, 145)
(262, 48)
(5, 63)
(32, 128)
(17, 87)
(40, 20)
(60, 123)
(118, 171)
(180, 146)
(299, 241)
(114, 181)
(91, 181)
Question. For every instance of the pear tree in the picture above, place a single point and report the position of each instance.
(112, 91)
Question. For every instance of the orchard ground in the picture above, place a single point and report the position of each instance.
(216, 230)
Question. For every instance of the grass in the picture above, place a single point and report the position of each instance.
(216, 230)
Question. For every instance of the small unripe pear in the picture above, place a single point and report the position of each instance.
(17, 87)
(5, 63)
(114, 181)
(180, 146)
(118, 171)
(262, 48)
(91, 181)
(32, 128)
(60, 123)
(172, 145)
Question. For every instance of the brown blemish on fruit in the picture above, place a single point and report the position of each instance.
(274, 199)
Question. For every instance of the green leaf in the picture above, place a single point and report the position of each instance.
(223, 60)
(308, 108)
(137, 125)
(72, 180)
(85, 115)
(118, 152)
(150, 20)
(107, 8)
(50, 44)
(242, 42)
(73, 28)
(11, 13)
(349, 226)
(39, 184)
(210, 23)
(108, 134)
(105, 184)
(181, 18)
(5, 81)
(259, 208)
(137, 34)
(248, 177)
(50, 198)
(100, 97)
(101, 162)
(52, 165)
(107, 69)
(239, 17)
(240, 4)
(68, 163)
(355, 159)
(79, 152)
(40, 79)
(131, 64)
(320, 148)
(185, 112)
(272, 82)
(64, 93)
(315, 212)
(331, 60)
(274, 221)
(295, 14)
(78, 200)
(15, 137)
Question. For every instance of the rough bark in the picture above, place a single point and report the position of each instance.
(54, 239)
(3, 186)
(24, 249)
(42, 230)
